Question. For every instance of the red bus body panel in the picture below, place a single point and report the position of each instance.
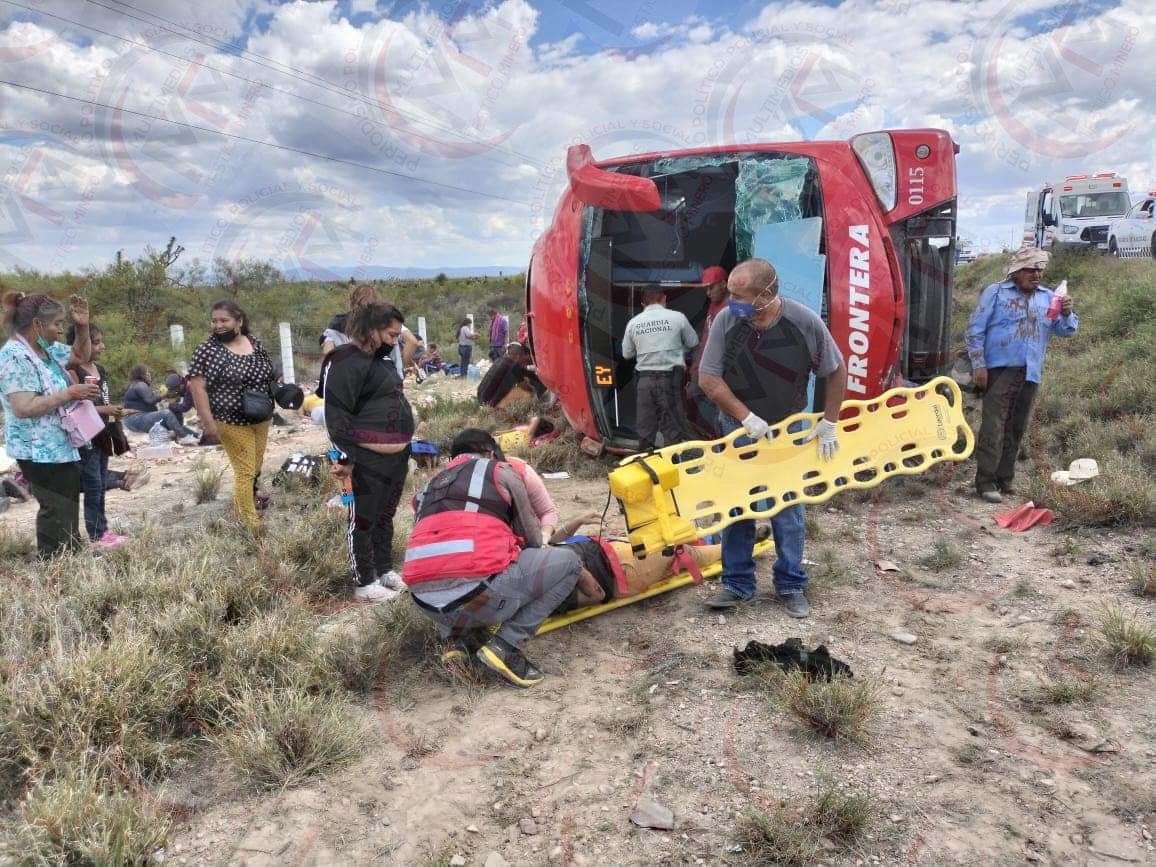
(865, 297)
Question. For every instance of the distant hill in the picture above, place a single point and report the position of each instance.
(381, 272)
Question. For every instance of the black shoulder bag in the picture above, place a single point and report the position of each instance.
(257, 403)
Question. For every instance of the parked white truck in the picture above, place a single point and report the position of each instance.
(1075, 212)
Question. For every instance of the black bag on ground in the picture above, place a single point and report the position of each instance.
(790, 655)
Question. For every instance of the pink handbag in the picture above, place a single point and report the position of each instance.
(81, 422)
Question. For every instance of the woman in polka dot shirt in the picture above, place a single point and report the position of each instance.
(225, 366)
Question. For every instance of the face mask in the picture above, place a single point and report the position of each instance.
(224, 336)
(740, 309)
(382, 352)
(43, 344)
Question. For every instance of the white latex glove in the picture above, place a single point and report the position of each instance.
(825, 431)
(755, 426)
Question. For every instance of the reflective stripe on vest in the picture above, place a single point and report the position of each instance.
(439, 549)
(477, 484)
(463, 526)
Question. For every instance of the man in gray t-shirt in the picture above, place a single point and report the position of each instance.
(755, 367)
(660, 339)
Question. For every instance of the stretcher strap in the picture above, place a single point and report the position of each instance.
(686, 563)
(694, 489)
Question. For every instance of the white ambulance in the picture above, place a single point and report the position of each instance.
(1075, 213)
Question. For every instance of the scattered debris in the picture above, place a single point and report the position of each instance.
(648, 813)
(790, 655)
(526, 826)
(886, 566)
(1024, 517)
(903, 637)
(1079, 470)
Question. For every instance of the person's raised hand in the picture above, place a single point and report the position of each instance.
(78, 310)
(1066, 305)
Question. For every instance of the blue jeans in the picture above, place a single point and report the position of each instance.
(93, 476)
(738, 545)
(142, 422)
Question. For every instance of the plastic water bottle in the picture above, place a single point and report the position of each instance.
(347, 491)
(158, 434)
(1057, 305)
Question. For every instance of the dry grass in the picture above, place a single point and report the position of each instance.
(840, 708)
(1127, 640)
(82, 819)
(835, 817)
(943, 556)
(206, 483)
(830, 570)
(1142, 577)
(284, 737)
(111, 668)
(15, 545)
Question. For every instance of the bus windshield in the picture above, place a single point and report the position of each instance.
(1110, 204)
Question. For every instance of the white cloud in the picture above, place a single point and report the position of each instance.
(472, 106)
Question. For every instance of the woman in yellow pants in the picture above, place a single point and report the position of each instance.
(224, 367)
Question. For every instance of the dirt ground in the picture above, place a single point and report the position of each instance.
(969, 764)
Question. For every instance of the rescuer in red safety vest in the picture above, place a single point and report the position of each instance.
(475, 559)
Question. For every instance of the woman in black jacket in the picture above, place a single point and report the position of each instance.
(370, 424)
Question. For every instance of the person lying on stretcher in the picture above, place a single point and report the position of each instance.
(610, 570)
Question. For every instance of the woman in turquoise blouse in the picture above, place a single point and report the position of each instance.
(34, 388)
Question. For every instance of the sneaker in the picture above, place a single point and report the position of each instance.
(505, 660)
(463, 652)
(111, 540)
(991, 496)
(189, 440)
(724, 599)
(391, 580)
(796, 604)
(373, 592)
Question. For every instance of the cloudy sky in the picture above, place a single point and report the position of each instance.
(407, 134)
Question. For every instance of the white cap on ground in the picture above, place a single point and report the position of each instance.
(1081, 469)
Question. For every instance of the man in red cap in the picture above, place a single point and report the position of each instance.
(704, 413)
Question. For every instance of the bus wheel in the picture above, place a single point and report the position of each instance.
(1113, 250)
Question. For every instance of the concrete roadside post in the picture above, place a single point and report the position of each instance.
(177, 338)
(287, 375)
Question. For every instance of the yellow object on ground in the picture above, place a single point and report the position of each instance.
(667, 584)
(509, 440)
(311, 403)
(684, 492)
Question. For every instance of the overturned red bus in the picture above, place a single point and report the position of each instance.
(862, 231)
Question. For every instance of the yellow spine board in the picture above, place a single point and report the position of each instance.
(681, 493)
(663, 586)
